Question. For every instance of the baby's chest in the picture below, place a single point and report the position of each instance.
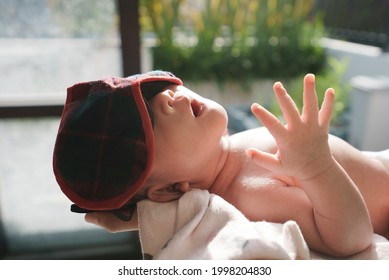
(260, 183)
(266, 198)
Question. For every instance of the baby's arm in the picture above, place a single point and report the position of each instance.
(339, 211)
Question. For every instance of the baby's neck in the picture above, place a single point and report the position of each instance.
(227, 168)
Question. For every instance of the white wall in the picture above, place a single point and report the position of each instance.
(368, 72)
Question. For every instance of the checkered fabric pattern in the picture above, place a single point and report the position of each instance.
(104, 149)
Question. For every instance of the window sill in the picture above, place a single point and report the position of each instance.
(20, 106)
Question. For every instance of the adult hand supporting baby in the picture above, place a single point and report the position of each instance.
(112, 223)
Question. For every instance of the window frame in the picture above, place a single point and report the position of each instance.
(23, 106)
(129, 30)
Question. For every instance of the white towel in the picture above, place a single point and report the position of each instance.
(201, 225)
(378, 250)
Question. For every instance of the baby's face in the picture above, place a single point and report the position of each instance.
(186, 127)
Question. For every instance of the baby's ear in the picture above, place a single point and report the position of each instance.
(166, 193)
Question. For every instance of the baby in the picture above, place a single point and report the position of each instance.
(147, 136)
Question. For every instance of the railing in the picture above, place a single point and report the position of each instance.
(362, 21)
(380, 40)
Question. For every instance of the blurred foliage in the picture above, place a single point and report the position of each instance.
(237, 40)
(330, 77)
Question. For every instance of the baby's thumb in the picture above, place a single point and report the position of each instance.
(264, 159)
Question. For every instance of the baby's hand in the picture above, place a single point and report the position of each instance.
(303, 149)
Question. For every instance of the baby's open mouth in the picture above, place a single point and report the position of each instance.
(197, 107)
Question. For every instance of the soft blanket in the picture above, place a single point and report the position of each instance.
(378, 250)
(201, 225)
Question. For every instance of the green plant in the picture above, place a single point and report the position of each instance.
(330, 76)
(236, 40)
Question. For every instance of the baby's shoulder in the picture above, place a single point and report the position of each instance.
(258, 138)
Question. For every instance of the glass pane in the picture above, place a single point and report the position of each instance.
(35, 214)
(46, 46)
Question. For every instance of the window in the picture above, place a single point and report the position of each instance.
(46, 46)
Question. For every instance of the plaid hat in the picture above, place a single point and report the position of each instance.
(104, 149)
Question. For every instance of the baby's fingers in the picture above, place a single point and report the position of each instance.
(289, 109)
(327, 108)
(275, 127)
(310, 107)
(266, 160)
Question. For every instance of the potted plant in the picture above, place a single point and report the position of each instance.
(233, 51)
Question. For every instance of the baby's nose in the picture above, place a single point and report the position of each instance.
(180, 98)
